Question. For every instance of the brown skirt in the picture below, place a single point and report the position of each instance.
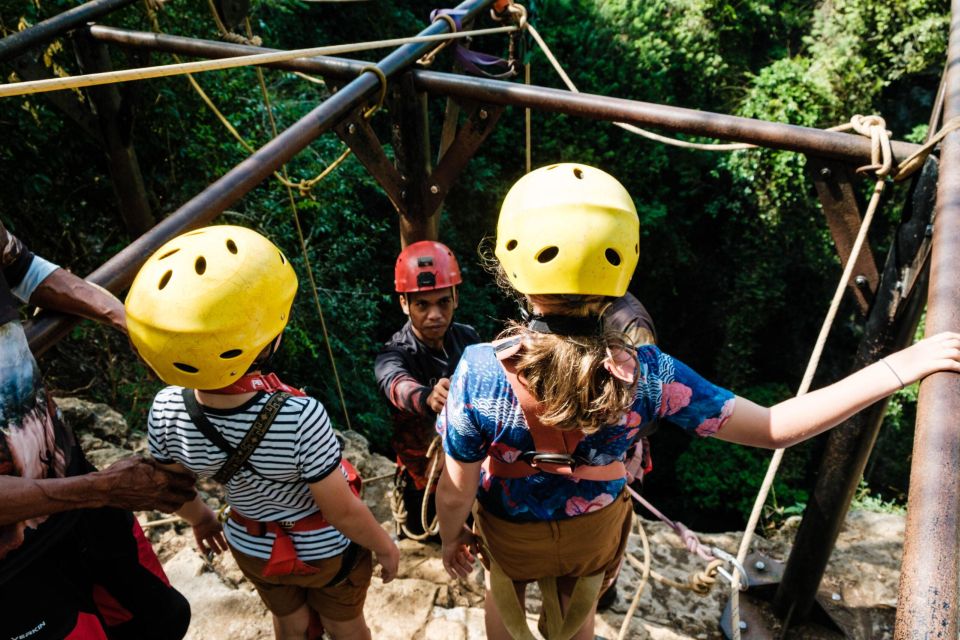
(579, 546)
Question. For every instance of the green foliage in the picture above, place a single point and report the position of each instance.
(736, 264)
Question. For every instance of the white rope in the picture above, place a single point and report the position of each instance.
(145, 73)
(882, 161)
(735, 146)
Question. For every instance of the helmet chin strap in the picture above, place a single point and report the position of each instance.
(566, 325)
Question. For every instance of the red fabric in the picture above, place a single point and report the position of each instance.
(88, 628)
(113, 612)
(257, 382)
(283, 556)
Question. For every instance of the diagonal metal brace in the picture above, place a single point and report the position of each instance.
(479, 124)
(356, 132)
(834, 183)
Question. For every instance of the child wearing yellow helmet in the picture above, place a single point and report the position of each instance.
(537, 425)
(205, 312)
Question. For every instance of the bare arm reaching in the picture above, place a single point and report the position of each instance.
(132, 483)
(803, 417)
(63, 291)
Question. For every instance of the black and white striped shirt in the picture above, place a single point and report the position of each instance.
(300, 448)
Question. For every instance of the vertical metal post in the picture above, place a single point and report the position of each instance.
(927, 606)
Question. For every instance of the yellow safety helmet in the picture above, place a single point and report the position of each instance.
(568, 229)
(206, 304)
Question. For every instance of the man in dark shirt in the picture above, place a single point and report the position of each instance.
(73, 561)
(414, 367)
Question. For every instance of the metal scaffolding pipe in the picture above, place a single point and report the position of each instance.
(930, 571)
(842, 146)
(13, 45)
(118, 272)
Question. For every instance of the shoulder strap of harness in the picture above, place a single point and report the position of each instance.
(554, 447)
(236, 457)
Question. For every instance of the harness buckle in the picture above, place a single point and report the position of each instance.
(560, 459)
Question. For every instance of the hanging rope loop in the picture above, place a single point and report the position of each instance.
(382, 77)
(441, 14)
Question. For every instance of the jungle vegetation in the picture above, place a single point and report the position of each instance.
(737, 266)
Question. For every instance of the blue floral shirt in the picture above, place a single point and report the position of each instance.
(482, 417)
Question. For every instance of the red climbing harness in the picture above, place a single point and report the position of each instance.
(283, 556)
(553, 448)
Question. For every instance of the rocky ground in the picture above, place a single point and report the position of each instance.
(424, 603)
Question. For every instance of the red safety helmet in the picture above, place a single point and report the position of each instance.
(425, 266)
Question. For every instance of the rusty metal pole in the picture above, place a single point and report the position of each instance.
(118, 272)
(14, 45)
(927, 606)
(829, 144)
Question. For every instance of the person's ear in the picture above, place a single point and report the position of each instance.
(404, 305)
(456, 297)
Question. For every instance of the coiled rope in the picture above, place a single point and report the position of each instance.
(399, 509)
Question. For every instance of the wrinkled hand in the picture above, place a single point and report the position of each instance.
(940, 352)
(438, 397)
(459, 554)
(138, 484)
(209, 534)
(389, 563)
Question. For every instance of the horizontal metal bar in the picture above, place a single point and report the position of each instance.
(118, 272)
(42, 32)
(853, 149)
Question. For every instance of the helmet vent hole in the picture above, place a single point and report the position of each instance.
(636, 249)
(578, 173)
(547, 254)
(165, 279)
(168, 254)
(282, 259)
(511, 245)
(200, 265)
(612, 257)
(233, 353)
(552, 167)
(186, 368)
(232, 247)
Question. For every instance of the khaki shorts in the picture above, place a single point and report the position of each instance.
(579, 546)
(285, 594)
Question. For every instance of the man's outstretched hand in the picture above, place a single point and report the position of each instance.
(438, 396)
(139, 484)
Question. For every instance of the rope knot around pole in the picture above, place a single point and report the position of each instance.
(881, 153)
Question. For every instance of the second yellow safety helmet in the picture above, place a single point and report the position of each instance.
(206, 303)
(568, 229)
